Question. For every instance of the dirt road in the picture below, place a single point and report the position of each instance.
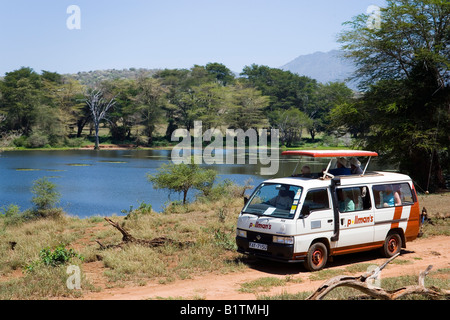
(415, 258)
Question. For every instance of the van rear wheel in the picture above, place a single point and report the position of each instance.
(392, 245)
(316, 257)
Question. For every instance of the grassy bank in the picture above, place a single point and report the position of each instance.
(208, 225)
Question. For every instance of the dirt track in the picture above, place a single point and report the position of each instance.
(419, 254)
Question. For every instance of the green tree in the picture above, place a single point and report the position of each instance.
(326, 98)
(150, 101)
(246, 107)
(286, 90)
(404, 68)
(21, 95)
(182, 178)
(124, 115)
(291, 124)
(45, 194)
(222, 74)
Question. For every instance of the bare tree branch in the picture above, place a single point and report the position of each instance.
(99, 107)
(128, 238)
(360, 283)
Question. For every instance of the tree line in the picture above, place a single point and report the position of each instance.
(51, 109)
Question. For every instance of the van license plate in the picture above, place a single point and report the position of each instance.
(259, 246)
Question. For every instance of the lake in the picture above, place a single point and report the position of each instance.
(105, 182)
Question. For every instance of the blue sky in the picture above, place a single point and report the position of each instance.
(168, 34)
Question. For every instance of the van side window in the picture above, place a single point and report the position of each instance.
(393, 194)
(317, 199)
(354, 199)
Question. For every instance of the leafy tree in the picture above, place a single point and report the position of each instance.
(45, 194)
(286, 89)
(404, 67)
(150, 100)
(246, 107)
(183, 177)
(66, 97)
(21, 94)
(124, 115)
(222, 74)
(291, 124)
(326, 98)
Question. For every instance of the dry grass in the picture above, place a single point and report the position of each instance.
(437, 205)
(209, 225)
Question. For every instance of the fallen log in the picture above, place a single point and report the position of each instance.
(128, 238)
(364, 284)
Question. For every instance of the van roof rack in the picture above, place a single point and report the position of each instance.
(330, 154)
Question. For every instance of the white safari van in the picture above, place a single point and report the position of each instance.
(308, 219)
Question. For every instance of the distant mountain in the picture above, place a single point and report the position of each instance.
(324, 67)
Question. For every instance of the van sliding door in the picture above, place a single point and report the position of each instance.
(356, 219)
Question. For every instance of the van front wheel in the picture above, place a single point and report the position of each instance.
(316, 257)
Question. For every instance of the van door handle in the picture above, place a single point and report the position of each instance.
(342, 221)
(330, 221)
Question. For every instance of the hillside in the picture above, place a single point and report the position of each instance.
(323, 66)
(91, 78)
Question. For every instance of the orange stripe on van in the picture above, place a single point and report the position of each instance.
(413, 226)
(397, 216)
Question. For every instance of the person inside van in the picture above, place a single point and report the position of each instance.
(355, 166)
(345, 203)
(305, 172)
(341, 168)
(390, 198)
(282, 200)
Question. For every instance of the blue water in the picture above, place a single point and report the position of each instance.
(98, 182)
(106, 182)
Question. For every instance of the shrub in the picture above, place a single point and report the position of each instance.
(45, 194)
(183, 177)
(11, 214)
(37, 140)
(59, 256)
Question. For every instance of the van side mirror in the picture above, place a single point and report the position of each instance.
(305, 211)
(245, 200)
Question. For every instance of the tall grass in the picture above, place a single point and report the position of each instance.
(208, 225)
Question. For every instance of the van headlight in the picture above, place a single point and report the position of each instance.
(241, 233)
(283, 240)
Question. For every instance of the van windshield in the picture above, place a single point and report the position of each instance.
(274, 200)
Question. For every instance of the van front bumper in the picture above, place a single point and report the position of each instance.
(275, 251)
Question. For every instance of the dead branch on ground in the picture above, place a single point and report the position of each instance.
(128, 238)
(364, 284)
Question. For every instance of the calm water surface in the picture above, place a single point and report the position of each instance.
(107, 181)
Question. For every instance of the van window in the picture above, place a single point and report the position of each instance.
(317, 199)
(354, 199)
(393, 194)
(275, 200)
